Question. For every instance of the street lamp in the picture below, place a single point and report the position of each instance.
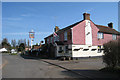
(31, 36)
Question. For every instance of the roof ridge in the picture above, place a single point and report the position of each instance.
(105, 27)
(102, 26)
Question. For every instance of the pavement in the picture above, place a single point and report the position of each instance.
(30, 67)
(86, 67)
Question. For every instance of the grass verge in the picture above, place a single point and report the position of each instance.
(13, 54)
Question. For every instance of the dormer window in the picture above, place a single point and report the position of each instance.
(100, 35)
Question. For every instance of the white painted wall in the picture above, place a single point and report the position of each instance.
(88, 33)
(81, 53)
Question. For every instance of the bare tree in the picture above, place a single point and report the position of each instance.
(24, 42)
(28, 43)
(13, 42)
(19, 42)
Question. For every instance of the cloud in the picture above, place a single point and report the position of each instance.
(10, 18)
(23, 33)
(41, 33)
(26, 33)
(25, 15)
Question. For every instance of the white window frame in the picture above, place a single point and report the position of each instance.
(114, 36)
(65, 36)
(100, 35)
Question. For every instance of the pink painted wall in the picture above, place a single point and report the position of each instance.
(79, 33)
(107, 38)
(61, 35)
(118, 37)
(61, 38)
(95, 41)
(94, 34)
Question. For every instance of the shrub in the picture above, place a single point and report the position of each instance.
(111, 55)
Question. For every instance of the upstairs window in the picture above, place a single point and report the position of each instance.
(65, 36)
(114, 37)
(100, 35)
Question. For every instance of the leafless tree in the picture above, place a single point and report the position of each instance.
(13, 42)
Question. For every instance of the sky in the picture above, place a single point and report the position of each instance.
(19, 18)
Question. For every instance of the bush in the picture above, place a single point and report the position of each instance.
(111, 55)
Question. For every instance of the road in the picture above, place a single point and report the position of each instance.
(14, 66)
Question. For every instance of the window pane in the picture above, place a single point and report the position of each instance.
(100, 35)
(114, 37)
(65, 35)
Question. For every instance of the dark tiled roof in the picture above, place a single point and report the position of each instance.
(66, 28)
(106, 29)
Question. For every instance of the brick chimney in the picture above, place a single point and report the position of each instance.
(56, 28)
(110, 25)
(86, 16)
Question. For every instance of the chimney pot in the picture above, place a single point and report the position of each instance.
(110, 25)
(86, 16)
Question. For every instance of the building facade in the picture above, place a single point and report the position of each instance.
(82, 39)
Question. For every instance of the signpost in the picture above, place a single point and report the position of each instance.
(31, 36)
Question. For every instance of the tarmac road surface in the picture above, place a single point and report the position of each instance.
(14, 66)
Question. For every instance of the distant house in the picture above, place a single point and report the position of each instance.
(3, 50)
(13, 51)
(81, 39)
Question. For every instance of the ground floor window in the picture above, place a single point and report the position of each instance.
(85, 49)
(66, 49)
(60, 49)
(93, 49)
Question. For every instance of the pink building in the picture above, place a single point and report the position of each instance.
(82, 39)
